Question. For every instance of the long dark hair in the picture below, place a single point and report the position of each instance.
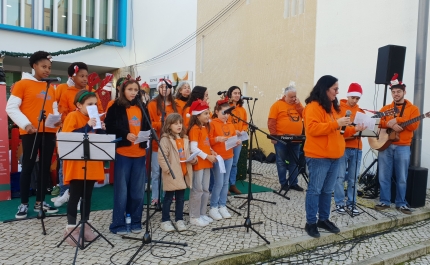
(218, 108)
(122, 100)
(319, 94)
(230, 91)
(160, 102)
(198, 92)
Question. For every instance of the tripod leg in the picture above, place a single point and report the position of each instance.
(43, 227)
(233, 210)
(262, 237)
(135, 254)
(99, 234)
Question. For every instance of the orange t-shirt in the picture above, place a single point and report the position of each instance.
(67, 104)
(219, 128)
(185, 117)
(241, 113)
(134, 115)
(155, 117)
(200, 135)
(32, 94)
(180, 105)
(59, 91)
(181, 151)
(288, 117)
(72, 169)
(355, 142)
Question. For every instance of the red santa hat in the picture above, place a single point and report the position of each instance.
(197, 107)
(354, 90)
(161, 82)
(395, 83)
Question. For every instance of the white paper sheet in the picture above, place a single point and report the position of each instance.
(361, 118)
(221, 164)
(231, 142)
(143, 136)
(192, 156)
(52, 119)
(93, 112)
(243, 136)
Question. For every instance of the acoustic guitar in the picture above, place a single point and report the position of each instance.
(388, 136)
(377, 115)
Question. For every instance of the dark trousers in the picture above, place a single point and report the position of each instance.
(76, 192)
(179, 207)
(45, 155)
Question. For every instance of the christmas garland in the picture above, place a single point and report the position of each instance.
(86, 47)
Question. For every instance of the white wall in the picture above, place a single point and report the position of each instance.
(349, 33)
(157, 25)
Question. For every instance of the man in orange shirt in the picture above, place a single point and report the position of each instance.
(397, 156)
(285, 117)
(351, 160)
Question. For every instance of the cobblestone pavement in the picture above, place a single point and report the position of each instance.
(23, 243)
(424, 260)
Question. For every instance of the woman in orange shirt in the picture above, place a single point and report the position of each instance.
(235, 95)
(220, 130)
(324, 146)
(155, 109)
(78, 121)
(182, 95)
(199, 92)
(23, 107)
(126, 119)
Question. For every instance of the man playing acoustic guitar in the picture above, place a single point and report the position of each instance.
(395, 159)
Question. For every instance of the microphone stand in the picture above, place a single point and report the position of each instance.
(147, 239)
(42, 117)
(248, 223)
(251, 114)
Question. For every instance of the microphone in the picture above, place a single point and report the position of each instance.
(221, 92)
(246, 98)
(228, 111)
(49, 80)
(347, 114)
(167, 83)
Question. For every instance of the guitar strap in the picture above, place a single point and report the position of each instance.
(401, 111)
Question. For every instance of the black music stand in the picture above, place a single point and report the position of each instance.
(94, 147)
(251, 115)
(248, 223)
(301, 169)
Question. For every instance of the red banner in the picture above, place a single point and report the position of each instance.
(4, 148)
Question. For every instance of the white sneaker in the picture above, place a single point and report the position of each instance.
(63, 199)
(214, 213)
(224, 213)
(55, 198)
(167, 226)
(198, 222)
(206, 218)
(180, 225)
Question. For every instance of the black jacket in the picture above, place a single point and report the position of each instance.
(117, 123)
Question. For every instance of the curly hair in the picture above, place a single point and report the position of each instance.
(319, 94)
(71, 69)
(38, 56)
(230, 91)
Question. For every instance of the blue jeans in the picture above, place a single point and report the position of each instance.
(211, 181)
(129, 190)
(283, 155)
(220, 188)
(233, 172)
(395, 157)
(179, 206)
(155, 175)
(63, 187)
(322, 177)
(349, 168)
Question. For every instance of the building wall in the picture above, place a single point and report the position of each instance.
(256, 48)
(348, 35)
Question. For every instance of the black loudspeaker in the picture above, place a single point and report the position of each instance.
(391, 60)
(416, 186)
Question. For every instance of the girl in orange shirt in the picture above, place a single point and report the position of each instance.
(220, 130)
(23, 107)
(78, 121)
(155, 109)
(199, 92)
(235, 95)
(182, 95)
(198, 132)
(126, 119)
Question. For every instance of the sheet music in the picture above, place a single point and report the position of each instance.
(231, 142)
(143, 136)
(93, 112)
(361, 118)
(192, 156)
(243, 136)
(221, 164)
(52, 120)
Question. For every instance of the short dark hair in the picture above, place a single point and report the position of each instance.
(71, 69)
(319, 94)
(38, 56)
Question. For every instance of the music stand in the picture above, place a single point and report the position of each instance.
(251, 115)
(85, 147)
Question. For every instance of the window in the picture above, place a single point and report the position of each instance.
(76, 17)
(12, 11)
(61, 7)
(48, 15)
(89, 25)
